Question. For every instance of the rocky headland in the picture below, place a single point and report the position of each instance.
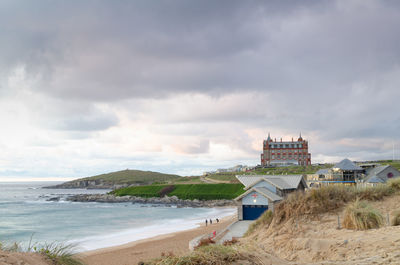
(166, 201)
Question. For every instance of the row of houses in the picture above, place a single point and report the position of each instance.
(349, 173)
(263, 192)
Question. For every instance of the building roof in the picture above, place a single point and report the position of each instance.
(346, 164)
(323, 171)
(249, 180)
(372, 174)
(376, 170)
(264, 192)
(374, 179)
(282, 182)
(269, 194)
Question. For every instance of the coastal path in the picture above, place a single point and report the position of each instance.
(237, 230)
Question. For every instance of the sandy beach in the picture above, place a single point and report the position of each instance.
(150, 248)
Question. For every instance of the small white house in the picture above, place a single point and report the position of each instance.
(263, 191)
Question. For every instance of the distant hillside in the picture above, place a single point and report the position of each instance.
(118, 179)
(230, 177)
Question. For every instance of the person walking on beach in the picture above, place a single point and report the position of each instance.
(217, 220)
(206, 222)
(210, 222)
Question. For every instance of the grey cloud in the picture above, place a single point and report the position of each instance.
(86, 123)
(118, 50)
(322, 67)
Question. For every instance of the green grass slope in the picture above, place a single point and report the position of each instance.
(289, 170)
(186, 191)
(124, 177)
(134, 177)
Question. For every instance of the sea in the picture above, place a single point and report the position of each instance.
(28, 217)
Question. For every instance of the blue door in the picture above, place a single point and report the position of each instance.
(252, 212)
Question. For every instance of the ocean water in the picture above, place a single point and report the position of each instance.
(26, 213)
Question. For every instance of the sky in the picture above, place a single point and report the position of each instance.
(186, 86)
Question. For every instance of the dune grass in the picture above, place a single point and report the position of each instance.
(207, 255)
(59, 254)
(263, 221)
(396, 218)
(359, 215)
(56, 253)
(330, 198)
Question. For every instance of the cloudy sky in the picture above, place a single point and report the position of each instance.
(179, 86)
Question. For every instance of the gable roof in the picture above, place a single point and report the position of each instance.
(322, 171)
(376, 170)
(283, 182)
(374, 179)
(263, 191)
(372, 174)
(249, 180)
(346, 164)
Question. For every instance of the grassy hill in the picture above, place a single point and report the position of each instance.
(129, 176)
(289, 170)
(185, 191)
(120, 178)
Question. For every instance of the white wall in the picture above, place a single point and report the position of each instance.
(265, 185)
(249, 199)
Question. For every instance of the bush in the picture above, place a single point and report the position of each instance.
(166, 190)
(394, 183)
(59, 254)
(205, 242)
(263, 221)
(230, 242)
(313, 202)
(374, 193)
(396, 218)
(359, 215)
(208, 255)
(330, 198)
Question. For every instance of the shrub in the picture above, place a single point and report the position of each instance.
(374, 193)
(205, 242)
(394, 183)
(166, 190)
(359, 215)
(313, 202)
(230, 242)
(396, 218)
(330, 198)
(59, 254)
(263, 221)
(208, 255)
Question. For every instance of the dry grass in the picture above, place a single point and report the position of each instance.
(205, 242)
(208, 255)
(230, 242)
(330, 198)
(394, 183)
(396, 218)
(359, 215)
(263, 221)
(313, 202)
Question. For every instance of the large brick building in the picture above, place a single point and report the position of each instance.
(285, 153)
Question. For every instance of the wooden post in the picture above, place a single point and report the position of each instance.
(338, 222)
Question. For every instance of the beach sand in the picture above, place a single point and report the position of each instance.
(146, 249)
